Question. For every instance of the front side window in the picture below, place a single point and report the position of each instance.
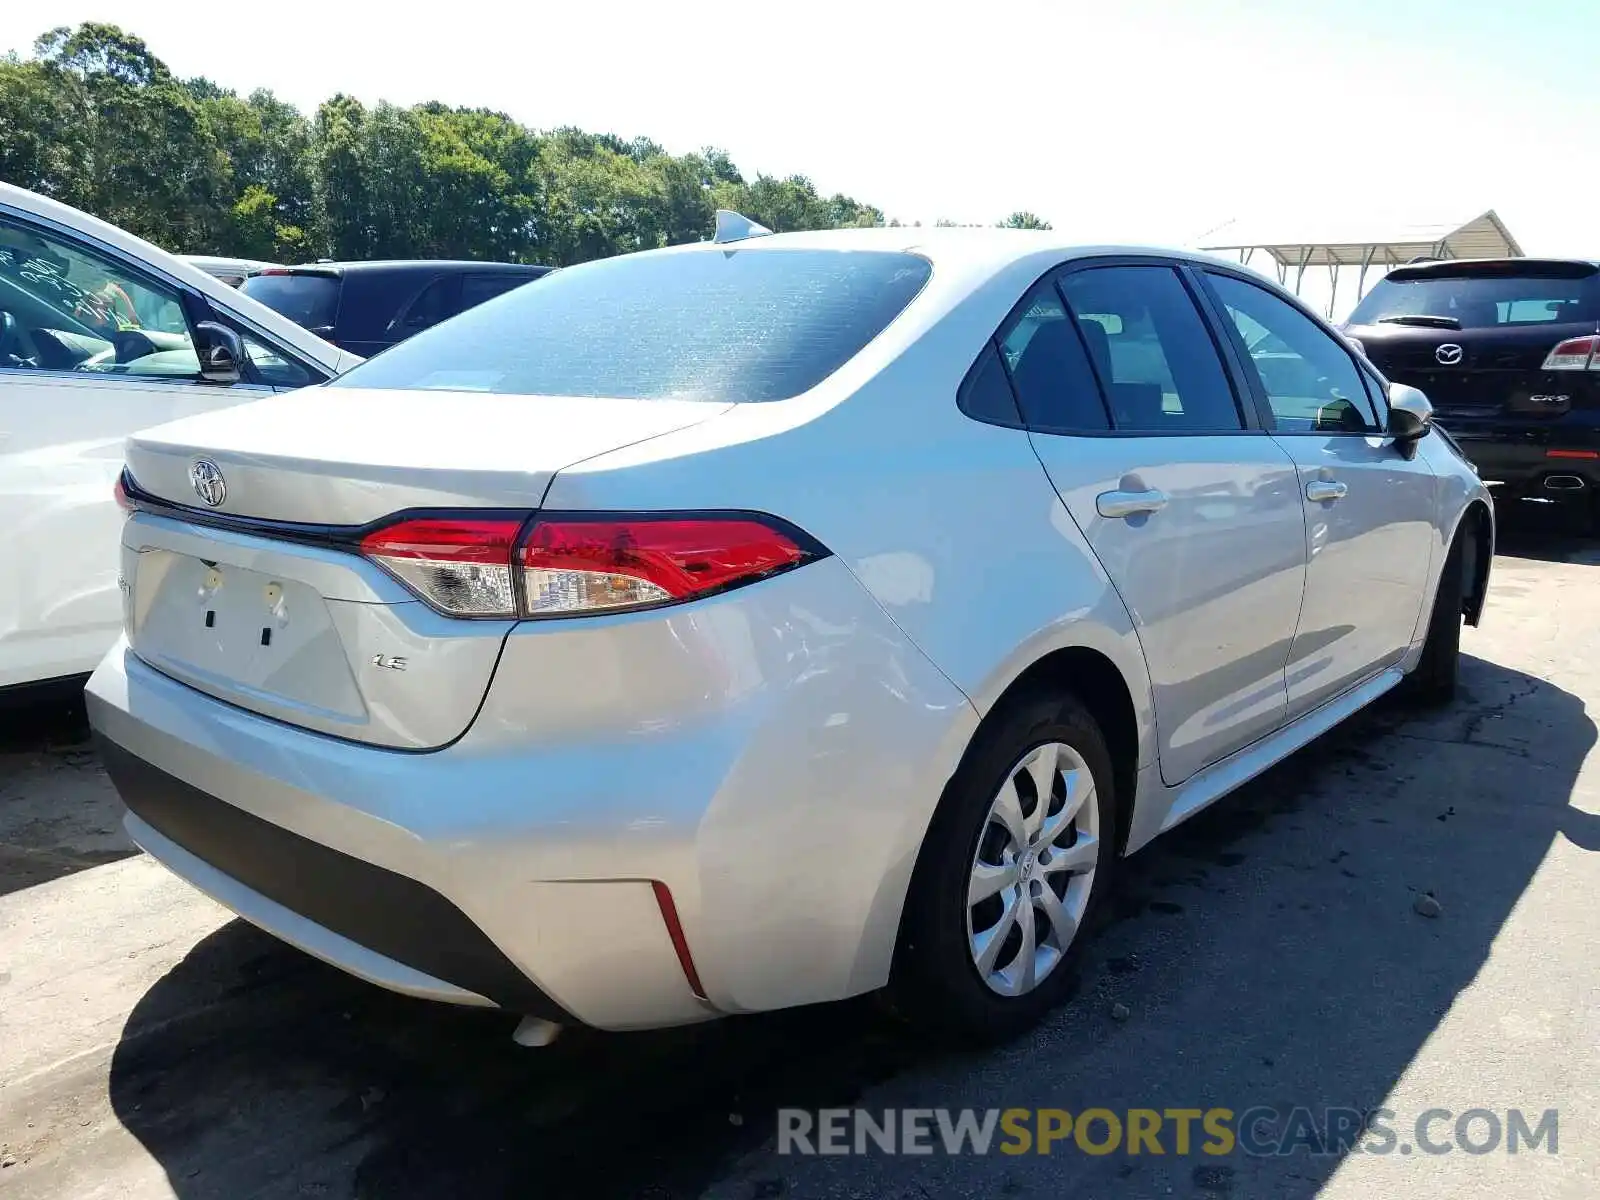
(66, 307)
(1150, 348)
(713, 323)
(1310, 380)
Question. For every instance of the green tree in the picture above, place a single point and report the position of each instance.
(1021, 219)
(94, 118)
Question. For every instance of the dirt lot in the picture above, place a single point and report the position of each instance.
(1268, 953)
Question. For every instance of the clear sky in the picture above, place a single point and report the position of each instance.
(1147, 120)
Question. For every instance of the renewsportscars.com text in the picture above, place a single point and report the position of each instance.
(1260, 1131)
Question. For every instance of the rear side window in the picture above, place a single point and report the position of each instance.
(475, 289)
(741, 325)
(311, 301)
(1482, 301)
(432, 305)
(986, 392)
(1151, 350)
(1049, 369)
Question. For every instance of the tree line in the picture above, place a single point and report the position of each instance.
(93, 118)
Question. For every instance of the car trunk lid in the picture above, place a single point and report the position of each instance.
(241, 566)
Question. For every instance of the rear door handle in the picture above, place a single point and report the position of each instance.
(1326, 489)
(1129, 504)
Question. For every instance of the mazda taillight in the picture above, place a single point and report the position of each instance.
(571, 565)
(1575, 354)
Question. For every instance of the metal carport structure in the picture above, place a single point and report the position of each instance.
(1484, 236)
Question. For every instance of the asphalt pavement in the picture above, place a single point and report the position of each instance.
(1400, 917)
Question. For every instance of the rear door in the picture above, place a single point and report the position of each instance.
(1369, 510)
(93, 347)
(1190, 506)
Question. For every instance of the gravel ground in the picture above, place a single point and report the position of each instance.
(1400, 916)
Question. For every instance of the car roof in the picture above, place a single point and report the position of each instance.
(1456, 268)
(223, 262)
(418, 264)
(993, 248)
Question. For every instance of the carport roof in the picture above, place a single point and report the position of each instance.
(1484, 236)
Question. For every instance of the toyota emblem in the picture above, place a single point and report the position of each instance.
(1449, 354)
(208, 482)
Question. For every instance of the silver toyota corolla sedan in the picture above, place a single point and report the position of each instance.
(761, 622)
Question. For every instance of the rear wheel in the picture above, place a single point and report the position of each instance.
(1433, 682)
(1013, 866)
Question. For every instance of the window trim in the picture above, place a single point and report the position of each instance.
(1243, 400)
(197, 306)
(1252, 378)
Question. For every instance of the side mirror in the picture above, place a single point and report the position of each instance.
(1410, 415)
(221, 353)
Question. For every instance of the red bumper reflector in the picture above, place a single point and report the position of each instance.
(669, 914)
(1572, 453)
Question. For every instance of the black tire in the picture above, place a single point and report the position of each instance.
(1433, 682)
(936, 984)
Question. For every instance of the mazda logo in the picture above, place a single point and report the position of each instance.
(1448, 354)
(208, 482)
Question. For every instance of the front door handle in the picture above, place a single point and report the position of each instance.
(1130, 504)
(1326, 489)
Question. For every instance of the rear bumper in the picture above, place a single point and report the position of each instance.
(1523, 454)
(414, 939)
(772, 756)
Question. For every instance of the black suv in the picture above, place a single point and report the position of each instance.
(1508, 351)
(365, 307)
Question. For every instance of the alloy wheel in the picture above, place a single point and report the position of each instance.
(1033, 870)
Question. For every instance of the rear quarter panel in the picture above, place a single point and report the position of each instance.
(949, 523)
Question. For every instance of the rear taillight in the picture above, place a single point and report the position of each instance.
(119, 493)
(571, 566)
(1575, 354)
(460, 565)
(472, 566)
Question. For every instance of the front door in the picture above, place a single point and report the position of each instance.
(91, 350)
(1369, 509)
(1193, 514)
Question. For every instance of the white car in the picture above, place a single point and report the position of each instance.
(101, 335)
(232, 271)
(743, 625)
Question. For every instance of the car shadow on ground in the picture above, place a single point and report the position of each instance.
(58, 814)
(1267, 952)
(1548, 532)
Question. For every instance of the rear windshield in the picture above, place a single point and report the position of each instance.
(736, 325)
(309, 300)
(1480, 302)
